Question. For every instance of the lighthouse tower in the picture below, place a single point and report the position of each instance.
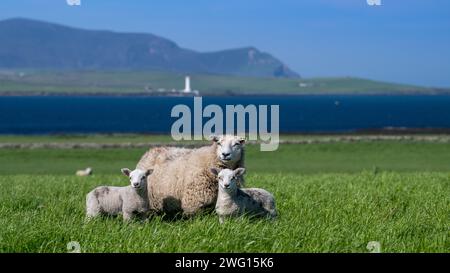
(187, 85)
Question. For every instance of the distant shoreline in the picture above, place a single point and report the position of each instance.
(143, 94)
(346, 138)
(152, 83)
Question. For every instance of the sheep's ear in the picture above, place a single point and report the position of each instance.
(241, 140)
(126, 171)
(239, 171)
(214, 138)
(148, 172)
(215, 171)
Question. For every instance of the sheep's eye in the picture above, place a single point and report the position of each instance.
(236, 144)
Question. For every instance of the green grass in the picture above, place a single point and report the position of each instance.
(334, 197)
(289, 158)
(152, 138)
(126, 82)
(86, 138)
(318, 213)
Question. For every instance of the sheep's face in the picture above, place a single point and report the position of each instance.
(229, 149)
(138, 178)
(228, 179)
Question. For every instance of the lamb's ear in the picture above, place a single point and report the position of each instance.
(148, 172)
(214, 138)
(239, 171)
(126, 171)
(215, 171)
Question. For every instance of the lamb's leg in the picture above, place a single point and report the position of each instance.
(92, 207)
(221, 219)
(143, 216)
(127, 216)
(271, 210)
(88, 218)
(273, 214)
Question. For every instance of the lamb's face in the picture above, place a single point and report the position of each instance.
(229, 149)
(138, 178)
(228, 178)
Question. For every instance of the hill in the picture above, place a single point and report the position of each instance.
(40, 45)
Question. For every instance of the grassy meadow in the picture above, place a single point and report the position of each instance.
(130, 82)
(331, 197)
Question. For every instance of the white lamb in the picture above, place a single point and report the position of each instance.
(86, 172)
(233, 201)
(130, 201)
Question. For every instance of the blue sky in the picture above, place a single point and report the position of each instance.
(406, 41)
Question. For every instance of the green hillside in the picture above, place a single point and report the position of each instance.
(134, 82)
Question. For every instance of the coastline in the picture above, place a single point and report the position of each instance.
(435, 92)
(112, 141)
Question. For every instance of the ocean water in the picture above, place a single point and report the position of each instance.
(139, 114)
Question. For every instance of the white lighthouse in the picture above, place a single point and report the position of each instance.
(187, 88)
(187, 85)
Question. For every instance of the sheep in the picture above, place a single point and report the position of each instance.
(86, 172)
(185, 185)
(129, 201)
(156, 156)
(233, 201)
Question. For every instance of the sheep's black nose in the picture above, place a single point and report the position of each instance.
(225, 154)
(136, 184)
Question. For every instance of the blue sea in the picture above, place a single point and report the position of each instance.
(143, 114)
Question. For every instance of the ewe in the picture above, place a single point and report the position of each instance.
(157, 156)
(233, 201)
(129, 201)
(186, 185)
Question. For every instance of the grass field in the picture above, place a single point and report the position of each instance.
(126, 82)
(331, 197)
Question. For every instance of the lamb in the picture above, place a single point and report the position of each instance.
(157, 156)
(86, 172)
(185, 184)
(130, 201)
(233, 201)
